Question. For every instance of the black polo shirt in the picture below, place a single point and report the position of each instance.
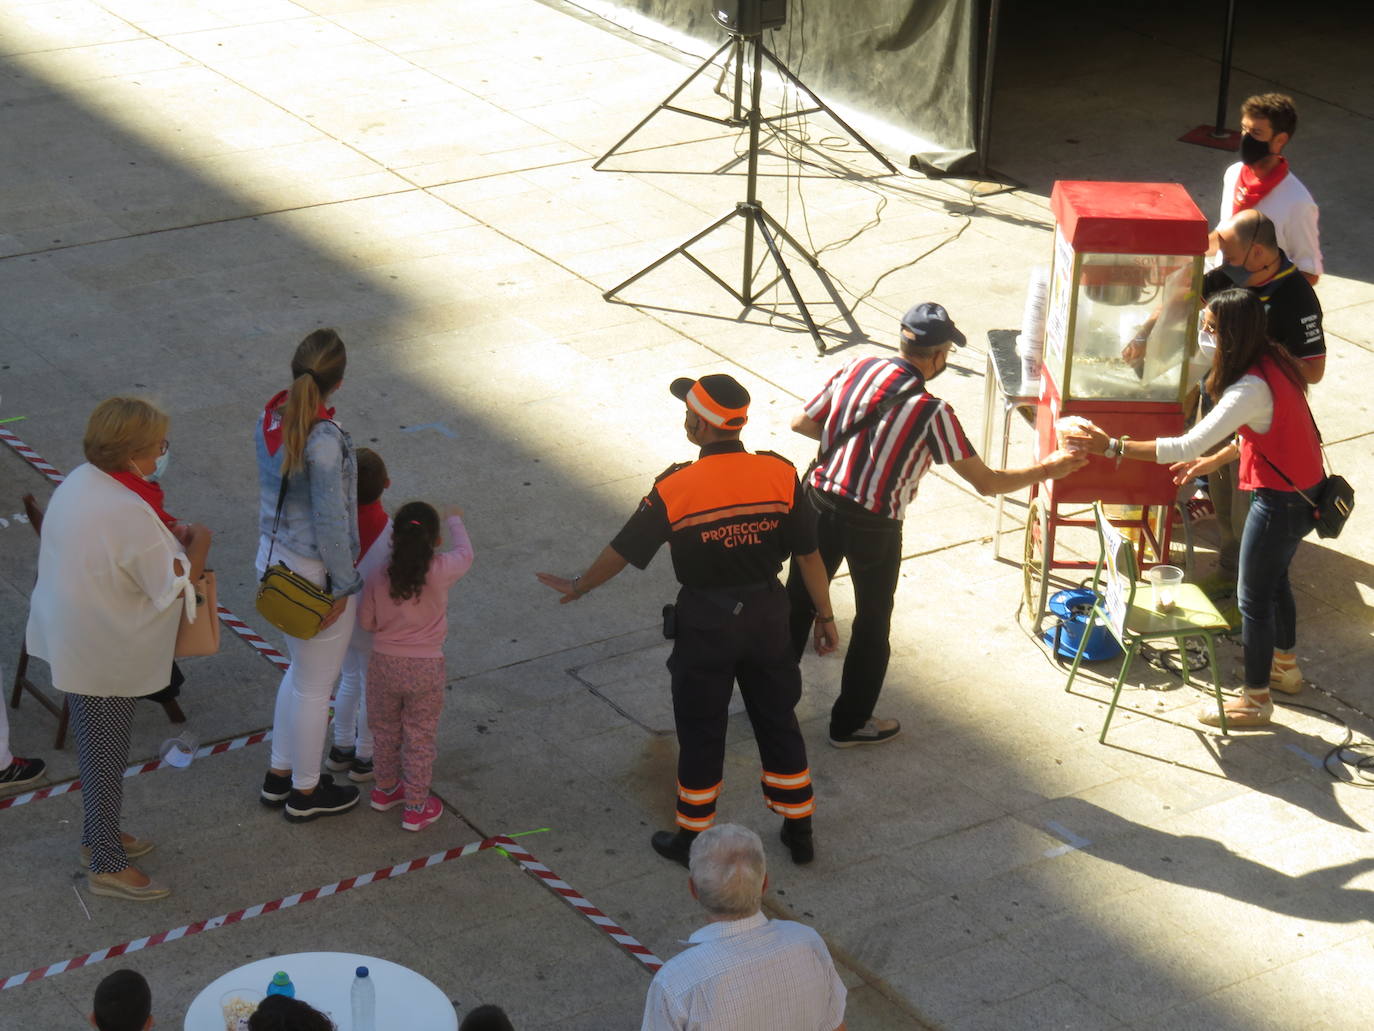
(730, 518)
(1294, 313)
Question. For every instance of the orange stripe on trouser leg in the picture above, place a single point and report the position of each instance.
(790, 801)
(787, 780)
(691, 824)
(699, 796)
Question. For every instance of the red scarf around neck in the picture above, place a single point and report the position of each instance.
(271, 420)
(1251, 189)
(149, 492)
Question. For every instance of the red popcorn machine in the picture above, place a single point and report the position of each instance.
(1120, 335)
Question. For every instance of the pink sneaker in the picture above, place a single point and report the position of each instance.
(419, 819)
(384, 800)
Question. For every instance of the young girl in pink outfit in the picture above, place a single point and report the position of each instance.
(405, 605)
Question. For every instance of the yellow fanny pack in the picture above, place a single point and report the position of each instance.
(291, 603)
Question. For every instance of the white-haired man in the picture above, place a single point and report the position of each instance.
(743, 972)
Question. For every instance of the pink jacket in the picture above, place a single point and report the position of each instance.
(415, 628)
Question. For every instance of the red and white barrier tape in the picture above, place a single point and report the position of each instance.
(247, 633)
(572, 897)
(53, 790)
(240, 915)
(505, 844)
(31, 456)
(226, 617)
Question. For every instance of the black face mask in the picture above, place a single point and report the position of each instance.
(1252, 151)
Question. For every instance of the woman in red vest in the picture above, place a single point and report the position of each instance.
(1260, 412)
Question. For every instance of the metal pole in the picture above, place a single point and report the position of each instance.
(985, 108)
(738, 112)
(1228, 37)
(752, 196)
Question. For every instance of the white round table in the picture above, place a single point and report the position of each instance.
(325, 980)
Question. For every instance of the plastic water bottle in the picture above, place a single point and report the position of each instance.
(364, 1000)
(281, 985)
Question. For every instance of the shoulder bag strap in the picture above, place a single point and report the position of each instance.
(1321, 444)
(1299, 490)
(1285, 477)
(281, 500)
(879, 410)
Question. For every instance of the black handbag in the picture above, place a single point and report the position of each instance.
(1334, 502)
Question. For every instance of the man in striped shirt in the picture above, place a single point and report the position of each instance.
(862, 485)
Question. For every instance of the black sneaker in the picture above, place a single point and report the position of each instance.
(796, 835)
(360, 771)
(328, 799)
(275, 788)
(677, 847)
(339, 759)
(22, 771)
(874, 732)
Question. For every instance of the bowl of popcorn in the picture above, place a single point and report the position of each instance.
(238, 1004)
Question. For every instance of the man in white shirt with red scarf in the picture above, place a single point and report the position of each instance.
(1262, 180)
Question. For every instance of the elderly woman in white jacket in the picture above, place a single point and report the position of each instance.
(112, 569)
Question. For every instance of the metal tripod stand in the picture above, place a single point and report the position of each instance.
(750, 209)
(739, 115)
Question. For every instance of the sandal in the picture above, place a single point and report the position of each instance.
(1245, 711)
(1287, 679)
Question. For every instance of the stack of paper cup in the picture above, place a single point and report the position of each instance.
(1030, 343)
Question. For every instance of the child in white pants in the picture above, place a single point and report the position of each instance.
(352, 747)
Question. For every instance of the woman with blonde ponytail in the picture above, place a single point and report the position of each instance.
(308, 519)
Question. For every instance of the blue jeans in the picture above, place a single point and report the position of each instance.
(1278, 520)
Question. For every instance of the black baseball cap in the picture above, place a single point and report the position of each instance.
(931, 325)
(717, 398)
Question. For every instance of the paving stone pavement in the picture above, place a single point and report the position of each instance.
(191, 185)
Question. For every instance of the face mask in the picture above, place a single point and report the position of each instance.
(1252, 151)
(1206, 342)
(1238, 274)
(159, 469)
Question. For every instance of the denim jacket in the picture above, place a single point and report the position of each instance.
(319, 518)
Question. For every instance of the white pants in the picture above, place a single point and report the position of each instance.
(302, 712)
(350, 704)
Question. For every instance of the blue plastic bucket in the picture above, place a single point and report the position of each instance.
(1071, 608)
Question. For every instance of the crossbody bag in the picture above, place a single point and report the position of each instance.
(287, 600)
(878, 411)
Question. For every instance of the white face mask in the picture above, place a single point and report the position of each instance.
(1206, 342)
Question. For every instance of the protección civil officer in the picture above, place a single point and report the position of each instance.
(730, 519)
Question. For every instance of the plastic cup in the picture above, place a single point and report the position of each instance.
(179, 751)
(1164, 583)
(1066, 425)
(237, 1005)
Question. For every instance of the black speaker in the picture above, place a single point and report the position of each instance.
(750, 17)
